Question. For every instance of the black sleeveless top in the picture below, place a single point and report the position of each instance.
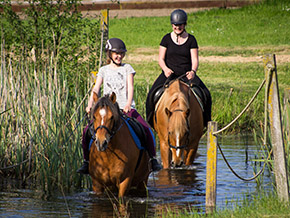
(177, 57)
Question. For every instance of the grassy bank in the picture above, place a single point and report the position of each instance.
(259, 206)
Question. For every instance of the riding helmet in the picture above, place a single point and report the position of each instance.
(178, 17)
(116, 45)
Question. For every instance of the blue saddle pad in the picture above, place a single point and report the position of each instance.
(134, 135)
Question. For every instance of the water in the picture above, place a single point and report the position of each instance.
(182, 188)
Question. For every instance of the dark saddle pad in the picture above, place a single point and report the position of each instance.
(138, 129)
(200, 93)
(197, 90)
(157, 93)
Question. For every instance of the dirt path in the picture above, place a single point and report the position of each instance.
(150, 54)
(149, 8)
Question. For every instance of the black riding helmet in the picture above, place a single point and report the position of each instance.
(178, 17)
(116, 45)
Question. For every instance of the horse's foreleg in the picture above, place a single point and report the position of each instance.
(190, 156)
(97, 187)
(165, 154)
(124, 186)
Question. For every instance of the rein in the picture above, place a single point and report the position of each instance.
(187, 135)
(169, 81)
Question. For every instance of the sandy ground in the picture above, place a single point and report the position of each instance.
(139, 13)
(150, 54)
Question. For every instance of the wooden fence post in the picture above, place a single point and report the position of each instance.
(104, 26)
(211, 168)
(276, 128)
(287, 112)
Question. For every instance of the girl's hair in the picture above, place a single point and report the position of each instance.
(109, 53)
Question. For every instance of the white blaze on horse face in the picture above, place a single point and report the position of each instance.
(102, 113)
(177, 145)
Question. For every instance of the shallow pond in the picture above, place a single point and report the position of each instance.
(182, 188)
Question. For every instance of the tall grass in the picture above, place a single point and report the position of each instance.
(43, 81)
(37, 130)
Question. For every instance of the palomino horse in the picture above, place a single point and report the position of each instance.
(115, 160)
(179, 123)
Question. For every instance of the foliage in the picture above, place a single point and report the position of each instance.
(53, 29)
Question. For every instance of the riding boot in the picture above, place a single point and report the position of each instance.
(84, 168)
(155, 165)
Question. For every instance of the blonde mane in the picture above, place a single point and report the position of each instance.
(177, 100)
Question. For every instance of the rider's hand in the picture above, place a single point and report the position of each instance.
(88, 110)
(190, 74)
(168, 72)
(127, 108)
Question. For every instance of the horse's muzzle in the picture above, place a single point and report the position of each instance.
(101, 146)
(175, 164)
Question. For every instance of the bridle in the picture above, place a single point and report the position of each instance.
(112, 132)
(186, 134)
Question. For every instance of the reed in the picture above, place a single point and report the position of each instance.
(43, 83)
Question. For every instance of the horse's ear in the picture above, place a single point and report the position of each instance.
(113, 97)
(168, 112)
(95, 97)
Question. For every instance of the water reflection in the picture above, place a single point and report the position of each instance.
(182, 188)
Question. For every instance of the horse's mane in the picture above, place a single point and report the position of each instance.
(174, 93)
(105, 101)
(176, 99)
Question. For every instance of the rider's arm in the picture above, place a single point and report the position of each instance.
(194, 59)
(194, 63)
(130, 81)
(162, 51)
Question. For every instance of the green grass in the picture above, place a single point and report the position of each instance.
(260, 206)
(266, 23)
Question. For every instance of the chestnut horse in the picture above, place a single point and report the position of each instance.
(178, 120)
(115, 161)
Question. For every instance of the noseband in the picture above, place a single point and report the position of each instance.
(186, 134)
(111, 132)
